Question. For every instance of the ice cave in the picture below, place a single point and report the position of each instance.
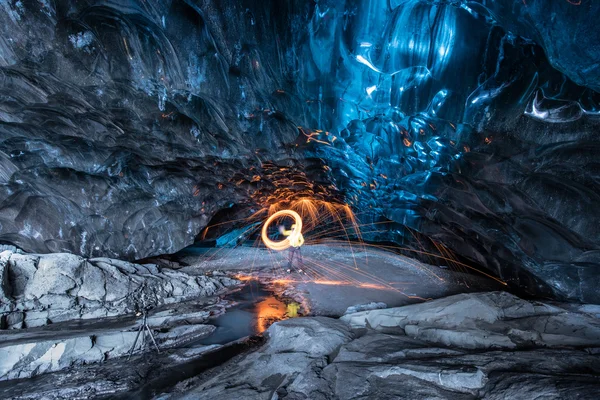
(299, 199)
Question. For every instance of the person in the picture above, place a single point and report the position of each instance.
(295, 243)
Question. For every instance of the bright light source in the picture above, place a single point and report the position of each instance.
(287, 242)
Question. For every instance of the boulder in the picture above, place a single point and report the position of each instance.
(56, 274)
(93, 286)
(316, 337)
(22, 269)
(294, 347)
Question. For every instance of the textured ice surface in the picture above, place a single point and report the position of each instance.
(126, 125)
(466, 121)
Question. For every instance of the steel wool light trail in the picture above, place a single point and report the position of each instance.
(292, 238)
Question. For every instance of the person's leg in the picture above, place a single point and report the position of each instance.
(291, 258)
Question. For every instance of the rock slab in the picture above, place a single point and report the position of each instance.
(36, 290)
(481, 345)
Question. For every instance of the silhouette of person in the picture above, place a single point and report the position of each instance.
(296, 242)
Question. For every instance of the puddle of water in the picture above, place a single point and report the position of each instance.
(255, 310)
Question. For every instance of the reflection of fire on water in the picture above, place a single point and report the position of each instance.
(269, 311)
(272, 310)
(244, 278)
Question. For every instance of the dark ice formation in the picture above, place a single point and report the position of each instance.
(126, 126)
(122, 123)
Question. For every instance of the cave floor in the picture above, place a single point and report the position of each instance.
(332, 280)
(193, 331)
(333, 277)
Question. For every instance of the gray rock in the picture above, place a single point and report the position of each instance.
(118, 282)
(109, 378)
(27, 358)
(57, 301)
(5, 289)
(180, 335)
(55, 275)
(294, 346)
(592, 309)
(15, 319)
(93, 286)
(11, 248)
(464, 338)
(365, 307)
(122, 265)
(314, 336)
(450, 376)
(383, 348)
(441, 349)
(174, 316)
(518, 385)
(22, 269)
(485, 320)
(34, 319)
(59, 287)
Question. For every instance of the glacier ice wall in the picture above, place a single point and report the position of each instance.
(123, 123)
(473, 123)
(125, 126)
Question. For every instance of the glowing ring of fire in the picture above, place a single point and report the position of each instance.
(286, 243)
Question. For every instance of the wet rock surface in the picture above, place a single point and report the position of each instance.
(88, 356)
(487, 320)
(504, 347)
(114, 377)
(33, 352)
(294, 346)
(61, 310)
(489, 345)
(330, 282)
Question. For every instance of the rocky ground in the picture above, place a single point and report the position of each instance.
(482, 345)
(61, 310)
(40, 289)
(79, 322)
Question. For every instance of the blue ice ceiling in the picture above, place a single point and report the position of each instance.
(445, 117)
(461, 67)
(126, 126)
(463, 62)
